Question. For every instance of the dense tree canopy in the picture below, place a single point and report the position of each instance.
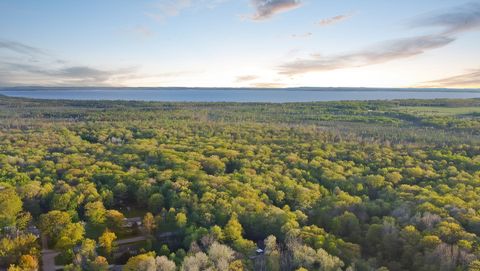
(315, 186)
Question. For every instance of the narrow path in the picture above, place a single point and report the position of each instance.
(48, 257)
(48, 260)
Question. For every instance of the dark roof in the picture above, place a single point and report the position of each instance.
(133, 219)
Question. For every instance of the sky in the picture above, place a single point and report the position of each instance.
(240, 43)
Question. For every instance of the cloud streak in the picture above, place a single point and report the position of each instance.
(169, 8)
(334, 20)
(268, 85)
(469, 79)
(19, 69)
(460, 19)
(385, 52)
(20, 48)
(246, 78)
(163, 9)
(303, 35)
(20, 74)
(266, 9)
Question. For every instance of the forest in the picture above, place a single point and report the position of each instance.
(112, 185)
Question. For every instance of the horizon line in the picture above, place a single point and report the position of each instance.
(236, 88)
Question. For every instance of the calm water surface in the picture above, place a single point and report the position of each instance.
(234, 95)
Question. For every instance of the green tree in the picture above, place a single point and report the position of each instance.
(217, 233)
(69, 236)
(88, 249)
(213, 165)
(474, 266)
(10, 206)
(347, 225)
(393, 177)
(155, 203)
(181, 220)
(233, 230)
(450, 232)
(27, 263)
(106, 241)
(53, 223)
(164, 250)
(95, 212)
(142, 262)
(99, 264)
(114, 220)
(14, 247)
(149, 222)
(236, 265)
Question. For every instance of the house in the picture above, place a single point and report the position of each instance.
(34, 230)
(259, 251)
(131, 222)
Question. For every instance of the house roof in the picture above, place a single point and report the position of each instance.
(133, 219)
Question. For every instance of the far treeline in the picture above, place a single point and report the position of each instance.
(380, 185)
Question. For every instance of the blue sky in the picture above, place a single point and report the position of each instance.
(240, 43)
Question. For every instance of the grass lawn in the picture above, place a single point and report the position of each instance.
(93, 232)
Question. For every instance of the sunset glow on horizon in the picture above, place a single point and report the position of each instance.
(247, 43)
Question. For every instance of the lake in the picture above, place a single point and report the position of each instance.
(236, 95)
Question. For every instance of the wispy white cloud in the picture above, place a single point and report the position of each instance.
(21, 74)
(462, 18)
(18, 69)
(268, 85)
(163, 9)
(141, 31)
(470, 79)
(265, 9)
(459, 19)
(46, 69)
(302, 35)
(334, 19)
(19, 48)
(387, 51)
(246, 78)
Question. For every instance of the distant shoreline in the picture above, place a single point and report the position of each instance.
(237, 94)
(342, 89)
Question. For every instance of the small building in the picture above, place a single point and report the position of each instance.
(131, 222)
(259, 251)
(34, 230)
